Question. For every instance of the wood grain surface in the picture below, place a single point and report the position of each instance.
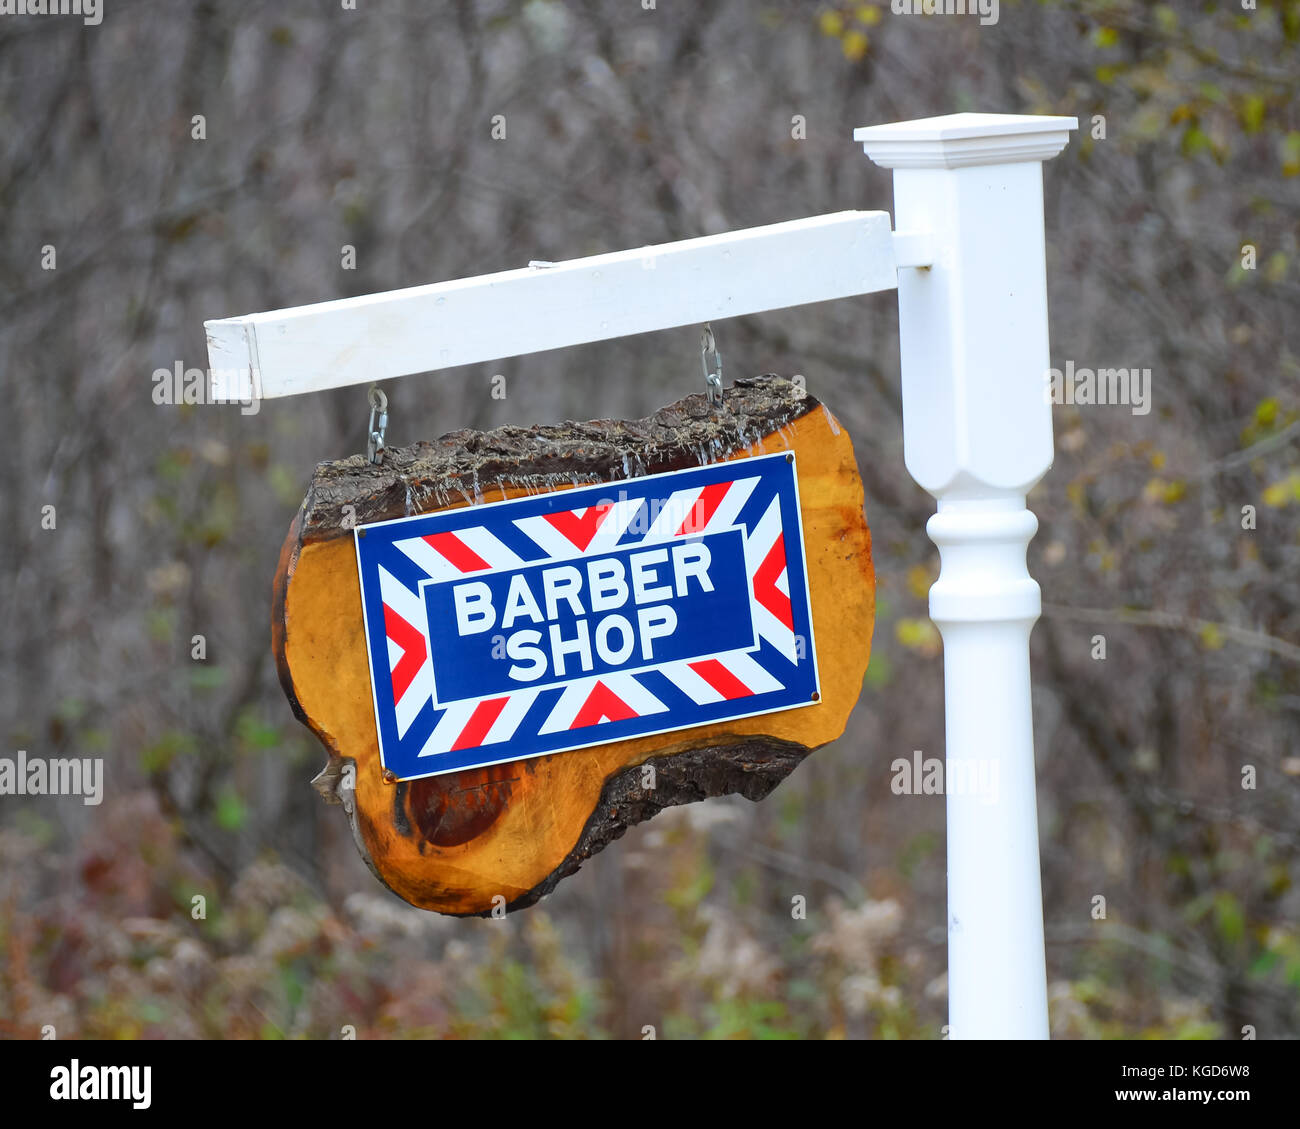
(504, 836)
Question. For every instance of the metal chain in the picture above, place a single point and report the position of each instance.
(378, 426)
(712, 374)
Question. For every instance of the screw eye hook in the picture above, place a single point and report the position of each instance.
(712, 369)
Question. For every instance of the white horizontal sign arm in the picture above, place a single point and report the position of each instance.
(551, 306)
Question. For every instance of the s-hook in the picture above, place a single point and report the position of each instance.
(712, 372)
(378, 426)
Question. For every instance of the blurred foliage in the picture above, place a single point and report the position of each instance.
(127, 955)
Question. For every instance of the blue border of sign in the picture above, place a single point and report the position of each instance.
(800, 680)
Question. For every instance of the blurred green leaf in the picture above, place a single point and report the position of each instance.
(231, 814)
(1228, 917)
(207, 677)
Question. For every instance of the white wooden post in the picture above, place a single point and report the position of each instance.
(977, 433)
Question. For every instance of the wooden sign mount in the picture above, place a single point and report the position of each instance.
(483, 839)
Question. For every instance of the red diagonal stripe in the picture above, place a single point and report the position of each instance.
(765, 590)
(706, 505)
(602, 703)
(721, 679)
(580, 530)
(480, 721)
(413, 651)
(457, 552)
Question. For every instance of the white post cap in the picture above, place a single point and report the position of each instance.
(973, 326)
(958, 140)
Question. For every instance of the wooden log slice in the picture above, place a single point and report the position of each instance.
(454, 843)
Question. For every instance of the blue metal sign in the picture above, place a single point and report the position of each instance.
(558, 621)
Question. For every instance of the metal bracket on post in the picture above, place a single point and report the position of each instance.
(913, 249)
(977, 434)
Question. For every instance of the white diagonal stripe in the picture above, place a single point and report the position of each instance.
(566, 709)
(751, 672)
(549, 539)
(401, 599)
(634, 694)
(614, 525)
(677, 506)
(448, 728)
(508, 720)
(428, 559)
(415, 699)
(757, 547)
(691, 684)
(767, 626)
(489, 548)
(732, 503)
(759, 543)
